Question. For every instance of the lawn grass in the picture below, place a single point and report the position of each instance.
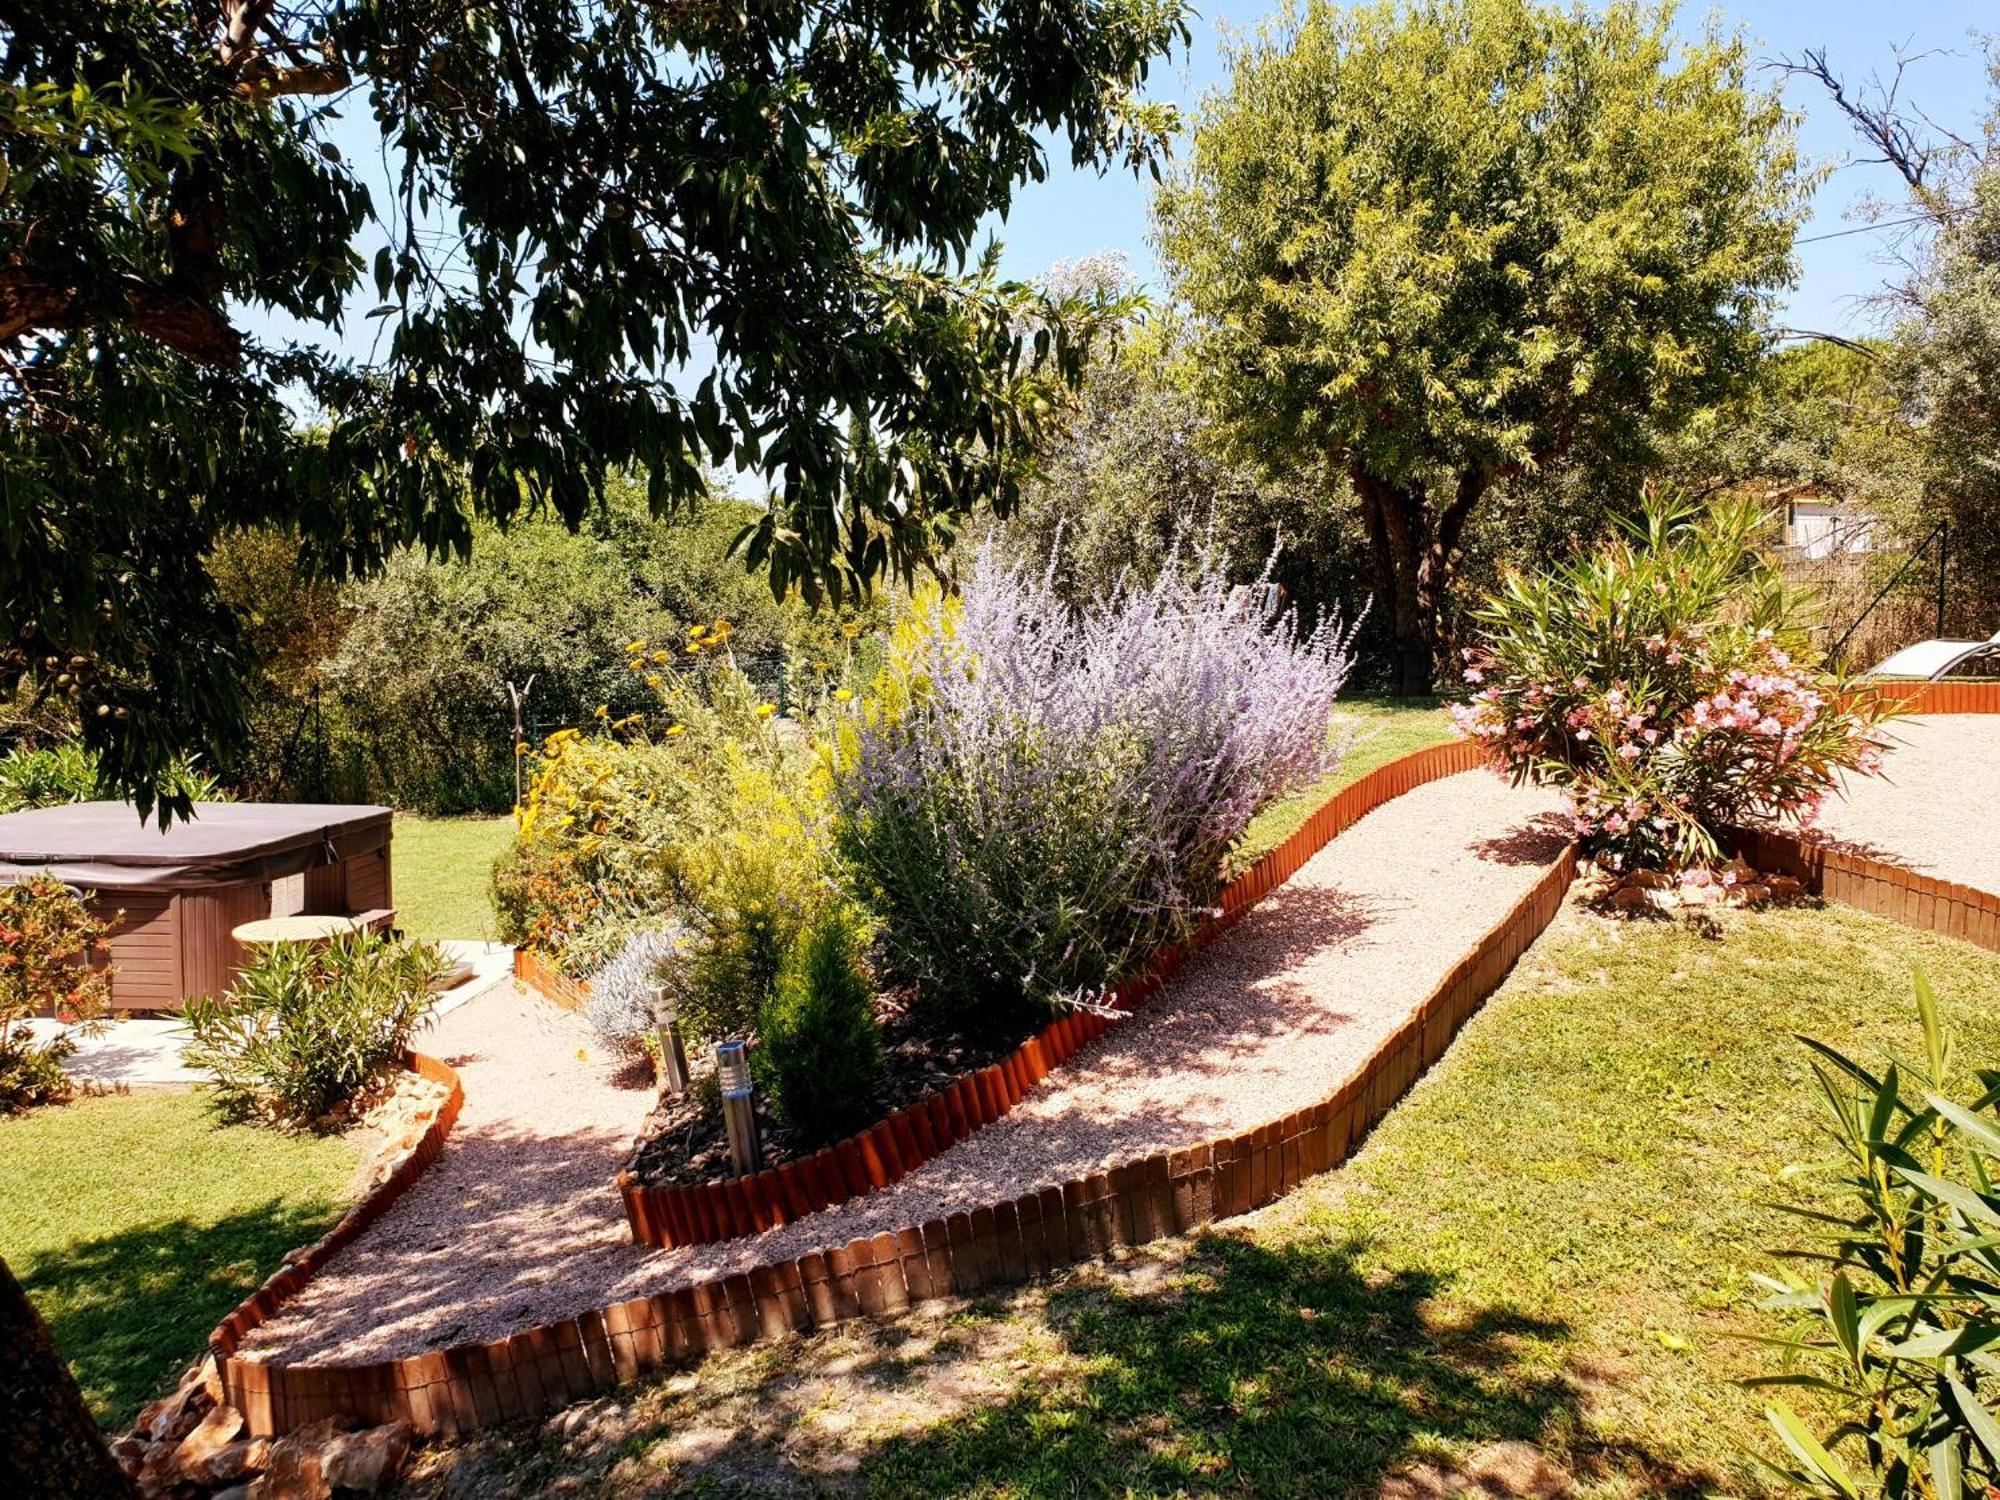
(1380, 729)
(136, 1224)
(441, 874)
(1538, 1257)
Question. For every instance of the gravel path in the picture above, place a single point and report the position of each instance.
(1934, 811)
(518, 1223)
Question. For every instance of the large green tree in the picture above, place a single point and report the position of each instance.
(639, 233)
(1446, 246)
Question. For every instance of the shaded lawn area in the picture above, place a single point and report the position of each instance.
(441, 874)
(1531, 1269)
(1381, 730)
(136, 1224)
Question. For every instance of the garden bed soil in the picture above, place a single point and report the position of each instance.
(683, 1143)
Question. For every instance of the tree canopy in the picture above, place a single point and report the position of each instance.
(630, 233)
(1452, 244)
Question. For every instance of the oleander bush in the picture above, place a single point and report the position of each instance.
(819, 1053)
(309, 1026)
(51, 951)
(1664, 682)
(1035, 797)
(1895, 1322)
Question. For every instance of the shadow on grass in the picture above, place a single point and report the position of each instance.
(1234, 1368)
(131, 1310)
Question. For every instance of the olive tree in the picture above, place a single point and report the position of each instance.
(604, 233)
(1443, 246)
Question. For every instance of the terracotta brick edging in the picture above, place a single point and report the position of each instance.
(669, 1215)
(475, 1385)
(268, 1407)
(1874, 885)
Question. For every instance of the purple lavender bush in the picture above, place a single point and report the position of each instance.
(1038, 797)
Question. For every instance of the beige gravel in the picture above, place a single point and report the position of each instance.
(1936, 808)
(518, 1223)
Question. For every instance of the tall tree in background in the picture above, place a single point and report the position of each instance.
(617, 233)
(1942, 360)
(1446, 245)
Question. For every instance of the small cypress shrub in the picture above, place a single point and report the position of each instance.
(818, 1054)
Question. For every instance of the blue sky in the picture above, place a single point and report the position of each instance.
(1076, 214)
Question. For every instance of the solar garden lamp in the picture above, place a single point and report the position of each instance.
(673, 1050)
(739, 1107)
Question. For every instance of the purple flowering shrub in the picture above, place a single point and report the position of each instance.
(1659, 682)
(1034, 798)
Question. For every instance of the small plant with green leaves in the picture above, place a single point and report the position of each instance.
(309, 1027)
(1895, 1334)
(49, 938)
(818, 1052)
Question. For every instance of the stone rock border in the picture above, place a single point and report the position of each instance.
(475, 1385)
(668, 1215)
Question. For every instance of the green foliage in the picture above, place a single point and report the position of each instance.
(1660, 682)
(308, 1026)
(1945, 363)
(819, 1053)
(1443, 246)
(1896, 1329)
(624, 185)
(51, 963)
(59, 774)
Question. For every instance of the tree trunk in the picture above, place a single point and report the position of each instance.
(1414, 546)
(49, 1445)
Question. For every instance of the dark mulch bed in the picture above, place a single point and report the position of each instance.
(683, 1142)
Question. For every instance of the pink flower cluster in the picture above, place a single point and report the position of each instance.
(1692, 735)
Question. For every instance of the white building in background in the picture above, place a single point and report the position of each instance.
(1819, 528)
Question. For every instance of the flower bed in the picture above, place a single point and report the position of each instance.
(998, 1244)
(675, 1214)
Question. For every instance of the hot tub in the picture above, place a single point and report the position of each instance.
(180, 892)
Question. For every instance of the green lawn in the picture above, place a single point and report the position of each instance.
(1537, 1258)
(1381, 729)
(136, 1225)
(441, 870)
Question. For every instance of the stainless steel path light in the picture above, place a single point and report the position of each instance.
(673, 1050)
(739, 1107)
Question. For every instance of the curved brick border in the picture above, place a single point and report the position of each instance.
(732, 1208)
(476, 1385)
(1874, 885)
(245, 1383)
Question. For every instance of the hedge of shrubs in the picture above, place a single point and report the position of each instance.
(1020, 805)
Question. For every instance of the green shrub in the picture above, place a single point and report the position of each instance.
(57, 775)
(818, 1054)
(48, 937)
(307, 1027)
(1895, 1332)
(1661, 681)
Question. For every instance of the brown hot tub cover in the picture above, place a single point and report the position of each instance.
(107, 846)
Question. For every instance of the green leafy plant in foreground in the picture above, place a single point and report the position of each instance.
(309, 1026)
(1896, 1338)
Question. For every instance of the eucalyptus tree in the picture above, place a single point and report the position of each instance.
(1451, 244)
(655, 234)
